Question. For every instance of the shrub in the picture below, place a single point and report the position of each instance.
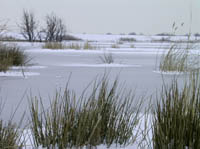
(197, 34)
(176, 118)
(127, 39)
(3, 28)
(132, 33)
(164, 34)
(106, 116)
(11, 56)
(163, 39)
(70, 37)
(55, 29)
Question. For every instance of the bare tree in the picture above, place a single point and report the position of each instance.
(28, 25)
(55, 28)
(3, 28)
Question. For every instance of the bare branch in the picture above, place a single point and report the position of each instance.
(55, 28)
(28, 26)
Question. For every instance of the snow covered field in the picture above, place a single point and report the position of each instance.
(136, 66)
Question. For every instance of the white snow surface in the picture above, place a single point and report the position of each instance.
(27, 67)
(169, 72)
(18, 74)
(101, 65)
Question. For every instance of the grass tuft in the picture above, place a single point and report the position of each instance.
(76, 46)
(115, 46)
(132, 46)
(11, 56)
(87, 45)
(107, 116)
(179, 60)
(176, 118)
(174, 60)
(53, 45)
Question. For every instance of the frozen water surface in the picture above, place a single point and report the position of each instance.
(136, 67)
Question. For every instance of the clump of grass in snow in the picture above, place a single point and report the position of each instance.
(107, 58)
(11, 56)
(127, 39)
(87, 45)
(115, 46)
(174, 60)
(179, 60)
(76, 46)
(53, 45)
(107, 116)
(73, 46)
(132, 46)
(176, 118)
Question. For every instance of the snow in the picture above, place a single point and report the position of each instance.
(100, 65)
(18, 74)
(169, 72)
(27, 67)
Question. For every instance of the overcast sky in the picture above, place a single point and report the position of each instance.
(115, 16)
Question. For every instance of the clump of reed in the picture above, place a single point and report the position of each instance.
(106, 116)
(175, 60)
(11, 55)
(76, 46)
(176, 117)
(87, 46)
(53, 45)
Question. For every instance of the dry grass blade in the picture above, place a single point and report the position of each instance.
(107, 58)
